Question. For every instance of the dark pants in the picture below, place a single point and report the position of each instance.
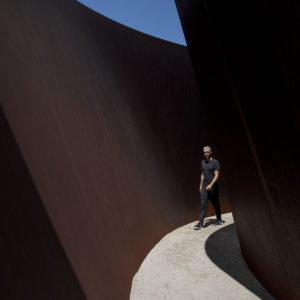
(213, 195)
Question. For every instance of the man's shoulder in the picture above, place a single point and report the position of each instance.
(216, 164)
(202, 164)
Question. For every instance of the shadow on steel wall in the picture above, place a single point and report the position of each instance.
(110, 129)
(250, 51)
(33, 263)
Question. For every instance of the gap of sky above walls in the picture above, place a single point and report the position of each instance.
(158, 18)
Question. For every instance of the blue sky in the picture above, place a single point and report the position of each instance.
(155, 17)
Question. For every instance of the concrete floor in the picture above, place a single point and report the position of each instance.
(197, 264)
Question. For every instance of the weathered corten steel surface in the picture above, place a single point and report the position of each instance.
(110, 126)
(246, 56)
(33, 264)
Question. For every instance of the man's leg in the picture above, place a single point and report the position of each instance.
(204, 200)
(216, 204)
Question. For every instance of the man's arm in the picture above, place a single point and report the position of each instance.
(201, 181)
(209, 187)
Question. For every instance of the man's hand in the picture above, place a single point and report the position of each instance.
(208, 188)
(200, 188)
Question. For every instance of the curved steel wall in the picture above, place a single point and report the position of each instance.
(246, 56)
(33, 263)
(110, 125)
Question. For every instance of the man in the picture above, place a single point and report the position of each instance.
(209, 187)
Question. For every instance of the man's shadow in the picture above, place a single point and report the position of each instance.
(209, 222)
(223, 248)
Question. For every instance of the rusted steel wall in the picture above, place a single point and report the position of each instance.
(33, 264)
(246, 56)
(111, 126)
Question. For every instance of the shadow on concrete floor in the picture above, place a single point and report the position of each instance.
(223, 248)
(209, 222)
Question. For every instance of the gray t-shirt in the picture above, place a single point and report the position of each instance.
(208, 168)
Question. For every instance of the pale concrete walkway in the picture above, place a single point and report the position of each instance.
(203, 264)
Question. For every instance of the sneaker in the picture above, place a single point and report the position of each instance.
(198, 226)
(219, 222)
